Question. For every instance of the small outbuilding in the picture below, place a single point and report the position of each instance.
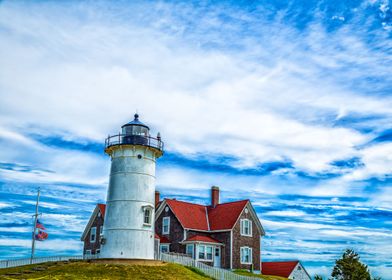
(292, 270)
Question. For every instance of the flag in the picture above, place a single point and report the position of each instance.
(41, 235)
(39, 225)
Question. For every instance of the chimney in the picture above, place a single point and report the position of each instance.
(214, 196)
(156, 198)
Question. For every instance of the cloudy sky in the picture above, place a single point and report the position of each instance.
(288, 103)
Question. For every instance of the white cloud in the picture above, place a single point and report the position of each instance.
(245, 109)
(285, 213)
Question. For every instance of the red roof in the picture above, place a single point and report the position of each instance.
(224, 215)
(200, 238)
(162, 239)
(283, 269)
(190, 215)
(194, 216)
(102, 208)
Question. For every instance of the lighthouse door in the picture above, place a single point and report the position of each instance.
(217, 257)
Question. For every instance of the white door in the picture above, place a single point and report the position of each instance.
(217, 257)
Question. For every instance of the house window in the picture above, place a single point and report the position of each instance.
(147, 216)
(93, 234)
(164, 248)
(189, 250)
(100, 230)
(166, 225)
(246, 227)
(205, 252)
(246, 255)
(209, 252)
(202, 254)
(97, 251)
(88, 252)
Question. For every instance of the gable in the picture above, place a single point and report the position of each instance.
(98, 209)
(253, 217)
(299, 272)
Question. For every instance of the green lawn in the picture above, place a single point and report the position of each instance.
(85, 270)
(267, 277)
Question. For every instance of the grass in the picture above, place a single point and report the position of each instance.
(267, 277)
(85, 270)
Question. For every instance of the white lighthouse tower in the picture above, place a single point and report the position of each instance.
(129, 217)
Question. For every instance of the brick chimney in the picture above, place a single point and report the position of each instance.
(214, 196)
(157, 198)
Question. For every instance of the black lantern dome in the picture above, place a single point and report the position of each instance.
(134, 133)
(135, 122)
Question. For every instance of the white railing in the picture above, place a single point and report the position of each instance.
(20, 262)
(214, 272)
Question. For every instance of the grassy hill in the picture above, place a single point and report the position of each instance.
(266, 277)
(85, 270)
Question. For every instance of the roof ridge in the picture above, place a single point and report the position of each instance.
(208, 206)
(170, 199)
(242, 200)
(281, 261)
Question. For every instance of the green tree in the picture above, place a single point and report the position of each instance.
(350, 268)
(318, 277)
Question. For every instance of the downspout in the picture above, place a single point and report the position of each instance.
(231, 249)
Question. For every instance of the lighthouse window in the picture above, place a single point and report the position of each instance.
(147, 216)
(166, 225)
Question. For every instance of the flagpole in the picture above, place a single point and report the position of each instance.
(35, 227)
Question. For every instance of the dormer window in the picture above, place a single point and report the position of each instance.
(246, 227)
(147, 219)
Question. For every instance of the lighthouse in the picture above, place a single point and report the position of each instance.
(128, 231)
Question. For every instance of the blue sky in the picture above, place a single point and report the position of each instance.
(287, 103)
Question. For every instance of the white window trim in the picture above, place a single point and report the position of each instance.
(88, 252)
(242, 230)
(250, 255)
(100, 230)
(91, 234)
(147, 208)
(168, 225)
(205, 253)
(193, 250)
(164, 245)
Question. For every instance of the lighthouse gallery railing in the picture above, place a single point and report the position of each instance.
(131, 139)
